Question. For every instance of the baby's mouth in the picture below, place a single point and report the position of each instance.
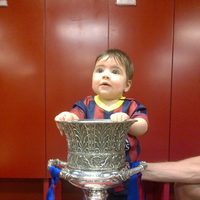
(104, 84)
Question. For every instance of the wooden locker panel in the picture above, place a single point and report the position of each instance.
(76, 33)
(185, 119)
(22, 107)
(145, 32)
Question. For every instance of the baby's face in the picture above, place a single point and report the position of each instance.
(109, 79)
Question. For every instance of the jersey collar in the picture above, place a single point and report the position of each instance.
(111, 107)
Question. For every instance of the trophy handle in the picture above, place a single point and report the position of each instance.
(57, 163)
(125, 174)
(64, 171)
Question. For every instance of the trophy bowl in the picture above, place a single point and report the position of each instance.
(96, 155)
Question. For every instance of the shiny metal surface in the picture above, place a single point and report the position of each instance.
(96, 156)
(95, 145)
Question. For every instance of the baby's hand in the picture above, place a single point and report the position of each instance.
(119, 117)
(66, 116)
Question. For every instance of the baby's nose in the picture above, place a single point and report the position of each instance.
(106, 74)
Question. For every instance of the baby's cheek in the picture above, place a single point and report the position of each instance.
(119, 84)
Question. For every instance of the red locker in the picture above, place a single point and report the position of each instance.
(185, 118)
(76, 31)
(145, 32)
(22, 90)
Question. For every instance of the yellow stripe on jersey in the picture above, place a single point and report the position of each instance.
(106, 107)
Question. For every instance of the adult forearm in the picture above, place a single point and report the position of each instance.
(161, 172)
(185, 171)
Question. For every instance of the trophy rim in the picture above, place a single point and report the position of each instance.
(96, 121)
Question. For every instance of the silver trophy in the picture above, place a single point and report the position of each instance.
(96, 156)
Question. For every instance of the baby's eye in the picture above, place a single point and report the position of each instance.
(99, 70)
(115, 71)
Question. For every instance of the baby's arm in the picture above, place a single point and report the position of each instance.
(65, 116)
(139, 127)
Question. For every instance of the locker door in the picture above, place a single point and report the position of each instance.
(22, 107)
(76, 33)
(145, 32)
(185, 119)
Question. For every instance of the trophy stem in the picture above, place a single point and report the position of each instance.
(95, 194)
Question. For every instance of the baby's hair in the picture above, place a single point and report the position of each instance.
(121, 57)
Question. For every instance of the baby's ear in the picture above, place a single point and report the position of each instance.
(128, 86)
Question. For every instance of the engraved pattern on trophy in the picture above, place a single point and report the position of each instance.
(95, 148)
